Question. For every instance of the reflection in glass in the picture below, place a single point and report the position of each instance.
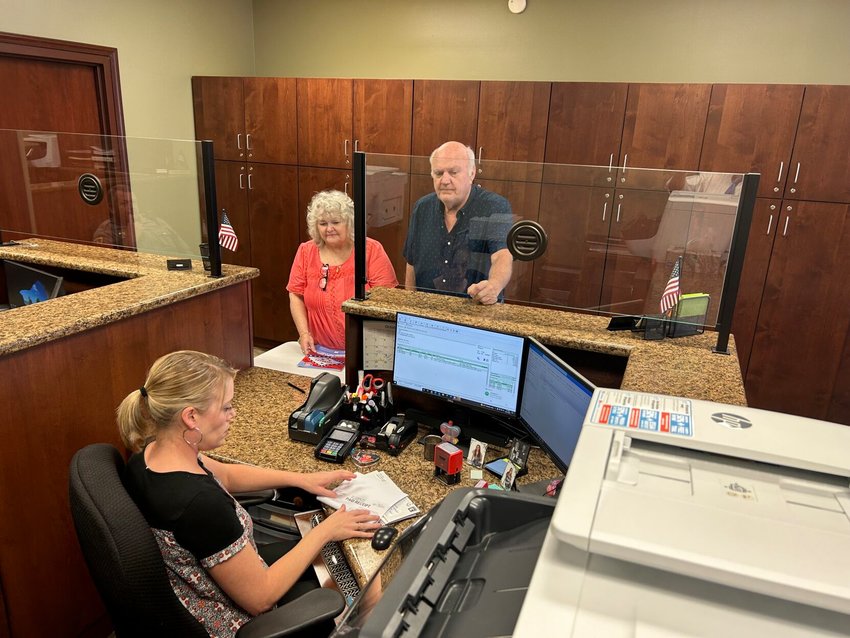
(614, 234)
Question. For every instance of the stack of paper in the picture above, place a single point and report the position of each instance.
(375, 492)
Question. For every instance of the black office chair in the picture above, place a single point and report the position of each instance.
(128, 570)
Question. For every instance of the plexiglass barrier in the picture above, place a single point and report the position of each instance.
(642, 242)
(140, 194)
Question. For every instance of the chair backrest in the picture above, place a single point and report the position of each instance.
(121, 551)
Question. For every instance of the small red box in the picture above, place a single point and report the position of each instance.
(448, 458)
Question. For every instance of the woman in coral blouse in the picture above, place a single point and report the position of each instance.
(322, 275)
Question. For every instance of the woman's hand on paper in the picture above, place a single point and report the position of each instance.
(317, 482)
(344, 523)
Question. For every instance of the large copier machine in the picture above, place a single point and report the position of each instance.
(678, 517)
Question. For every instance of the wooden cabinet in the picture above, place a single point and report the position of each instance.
(325, 122)
(585, 123)
(443, 110)
(262, 203)
(805, 312)
(663, 128)
(819, 168)
(383, 116)
(248, 119)
(750, 129)
(512, 121)
(570, 272)
(629, 267)
(753, 275)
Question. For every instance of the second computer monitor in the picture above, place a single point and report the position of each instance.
(28, 285)
(555, 399)
(464, 365)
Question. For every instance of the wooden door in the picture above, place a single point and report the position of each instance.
(443, 111)
(231, 185)
(512, 127)
(805, 311)
(663, 128)
(67, 87)
(220, 115)
(750, 129)
(586, 123)
(577, 220)
(753, 275)
(271, 130)
(631, 267)
(383, 116)
(273, 201)
(325, 122)
(819, 168)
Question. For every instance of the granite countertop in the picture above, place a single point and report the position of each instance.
(149, 285)
(685, 366)
(264, 400)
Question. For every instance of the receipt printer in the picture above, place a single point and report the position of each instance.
(321, 410)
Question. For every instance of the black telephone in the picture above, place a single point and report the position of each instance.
(337, 443)
(322, 408)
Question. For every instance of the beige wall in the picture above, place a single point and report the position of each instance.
(774, 41)
(161, 44)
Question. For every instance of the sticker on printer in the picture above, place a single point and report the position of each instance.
(647, 412)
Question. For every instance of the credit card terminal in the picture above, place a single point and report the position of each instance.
(337, 443)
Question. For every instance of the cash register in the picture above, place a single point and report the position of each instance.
(677, 517)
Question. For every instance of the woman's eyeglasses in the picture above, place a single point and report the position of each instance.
(323, 282)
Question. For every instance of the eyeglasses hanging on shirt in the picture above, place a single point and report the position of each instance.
(323, 282)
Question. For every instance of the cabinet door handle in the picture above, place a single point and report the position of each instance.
(625, 161)
(781, 166)
(241, 187)
(248, 141)
(480, 153)
(345, 148)
(769, 224)
(355, 145)
(787, 219)
(797, 174)
(239, 141)
(250, 187)
(618, 212)
(604, 209)
(610, 162)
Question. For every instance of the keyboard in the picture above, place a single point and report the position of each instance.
(331, 567)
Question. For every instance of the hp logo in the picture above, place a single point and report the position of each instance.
(732, 421)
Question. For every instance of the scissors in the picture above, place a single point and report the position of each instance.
(370, 384)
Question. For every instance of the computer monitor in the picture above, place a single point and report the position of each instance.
(27, 285)
(470, 367)
(555, 399)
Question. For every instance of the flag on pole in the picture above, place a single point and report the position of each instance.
(226, 235)
(670, 296)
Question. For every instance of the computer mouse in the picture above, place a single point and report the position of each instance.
(382, 538)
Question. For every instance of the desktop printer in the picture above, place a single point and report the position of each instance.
(681, 517)
(321, 409)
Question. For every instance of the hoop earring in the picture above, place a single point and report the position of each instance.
(193, 443)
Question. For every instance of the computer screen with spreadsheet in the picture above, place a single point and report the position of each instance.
(460, 364)
(555, 399)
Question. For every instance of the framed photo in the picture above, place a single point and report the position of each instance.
(508, 477)
(477, 453)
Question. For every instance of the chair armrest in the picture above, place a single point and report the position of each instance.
(313, 607)
(247, 499)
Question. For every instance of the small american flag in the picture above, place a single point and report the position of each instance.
(226, 235)
(670, 296)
